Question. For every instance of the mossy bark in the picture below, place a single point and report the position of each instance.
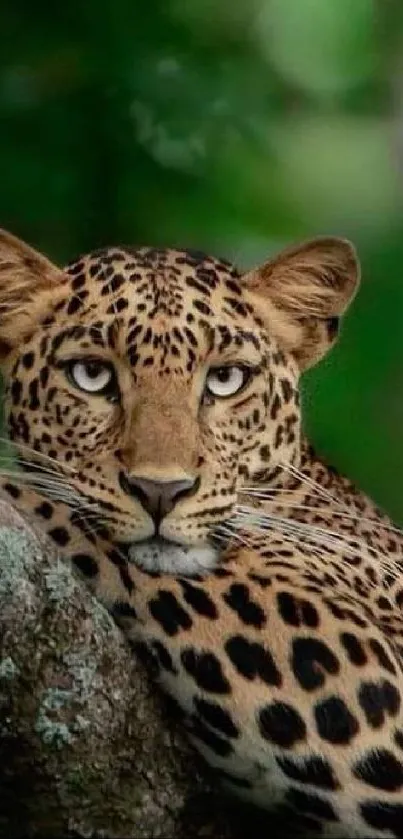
(85, 748)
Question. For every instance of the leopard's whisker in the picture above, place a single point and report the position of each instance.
(345, 514)
(18, 467)
(45, 477)
(301, 476)
(227, 531)
(19, 445)
(262, 492)
(30, 477)
(61, 491)
(323, 535)
(87, 516)
(289, 535)
(262, 520)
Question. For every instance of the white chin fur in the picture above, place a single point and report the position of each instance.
(168, 558)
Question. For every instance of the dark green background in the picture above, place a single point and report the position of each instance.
(236, 126)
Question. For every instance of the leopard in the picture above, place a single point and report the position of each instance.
(152, 401)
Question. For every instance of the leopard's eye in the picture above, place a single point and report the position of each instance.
(92, 375)
(226, 381)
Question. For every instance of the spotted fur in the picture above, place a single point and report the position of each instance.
(263, 589)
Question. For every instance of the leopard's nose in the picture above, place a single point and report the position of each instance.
(158, 497)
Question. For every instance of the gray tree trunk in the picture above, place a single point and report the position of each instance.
(85, 749)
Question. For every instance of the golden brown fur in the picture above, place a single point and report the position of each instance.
(263, 588)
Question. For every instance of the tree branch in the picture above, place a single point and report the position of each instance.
(86, 750)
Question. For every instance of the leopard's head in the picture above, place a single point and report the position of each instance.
(149, 387)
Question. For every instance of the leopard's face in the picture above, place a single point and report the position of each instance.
(157, 387)
(151, 387)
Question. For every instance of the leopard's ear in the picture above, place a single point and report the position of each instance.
(29, 288)
(302, 294)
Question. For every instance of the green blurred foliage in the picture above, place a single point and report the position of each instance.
(236, 127)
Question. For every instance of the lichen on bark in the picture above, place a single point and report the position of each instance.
(85, 747)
